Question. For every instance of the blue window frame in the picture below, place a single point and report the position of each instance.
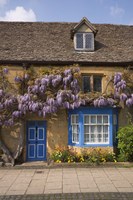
(89, 126)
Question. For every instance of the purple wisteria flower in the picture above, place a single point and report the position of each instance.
(5, 71)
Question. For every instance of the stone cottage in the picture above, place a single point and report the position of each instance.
(100, 50)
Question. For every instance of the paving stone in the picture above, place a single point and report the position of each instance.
(6, 183)
(122, 184)
(85, 177)
(86, 184)
(12, 177)
(23, 180)
(37, 183)
(71, 188)
(3, 190)
(102, 181)
(123, 169)
(16, 187)
(55, 173)
(129, 179)
(89, 189)
(17, 192)
(70, 181)
(40, 176)
(33, 190)
(57, 191)
(54, 179)
(50, 186)
(107, 188)
(13, 172)
(116, 177)
(125, 189)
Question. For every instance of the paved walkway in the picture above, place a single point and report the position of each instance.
(66, 180)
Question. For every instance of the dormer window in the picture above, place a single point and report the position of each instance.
(83, 35)
(84, 41)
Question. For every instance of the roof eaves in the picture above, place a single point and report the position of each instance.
(61, 63)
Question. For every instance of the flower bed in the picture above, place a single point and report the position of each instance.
(90, 155)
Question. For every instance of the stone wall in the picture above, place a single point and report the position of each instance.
(10, 137)
(57, 126)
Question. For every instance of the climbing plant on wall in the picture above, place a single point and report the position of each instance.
(44, 92)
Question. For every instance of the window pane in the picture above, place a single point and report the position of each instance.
(86, 138)
(92, 129)
(105, 129)
(76, 138)
(86, 83)
(93, 119)
(89, 41)
(93, 138)
(77, 118)
(105, 137)
(79, 41)
(75, 128)
(86, 119)
(105, 119)
(99, 137)
(86, 129)
(97, 83)
(74, 119)
(99, 129)
(99, 119)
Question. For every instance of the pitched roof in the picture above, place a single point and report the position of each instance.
(52, 43)
(84, 20)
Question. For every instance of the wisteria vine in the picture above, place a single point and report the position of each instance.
(49, 92)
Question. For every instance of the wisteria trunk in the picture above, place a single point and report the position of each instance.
(20, 142)
(12, 157)
(6, 151)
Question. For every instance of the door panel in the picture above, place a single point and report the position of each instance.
(31, 151)
(31, 134)
(36, 140)
(40, 134)
(40, 150)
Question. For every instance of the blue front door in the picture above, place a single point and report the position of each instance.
(36, 140)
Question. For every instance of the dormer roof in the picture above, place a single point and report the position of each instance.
(83, 21)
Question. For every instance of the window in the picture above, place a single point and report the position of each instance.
(92, 83)
(96, 129)
(89, 126)
(75, 128)
(84, 41)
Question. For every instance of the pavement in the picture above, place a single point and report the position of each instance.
(67, 183)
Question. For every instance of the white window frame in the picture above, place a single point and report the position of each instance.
(84, 41)
(75, 115)
(96, 124)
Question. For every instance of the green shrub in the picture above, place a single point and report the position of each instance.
(125, 143)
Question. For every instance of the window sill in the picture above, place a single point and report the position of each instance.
(91, 145)
(84, 51)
